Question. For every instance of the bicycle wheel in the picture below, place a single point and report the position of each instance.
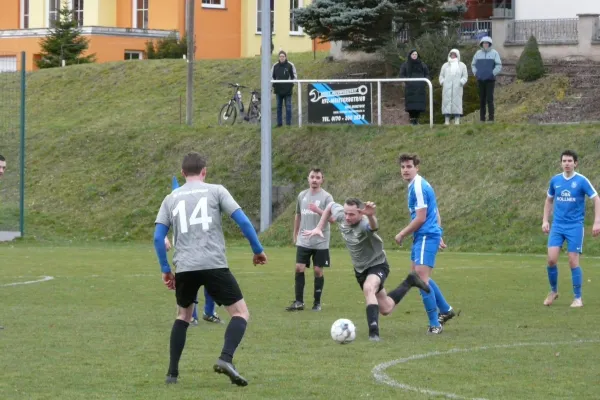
(228, 114)
(253, 116)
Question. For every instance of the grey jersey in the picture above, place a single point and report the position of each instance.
(309, 220)
(364, 245)
(194, 212)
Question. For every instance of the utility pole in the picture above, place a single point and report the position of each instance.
(266, 203)
(190, 60)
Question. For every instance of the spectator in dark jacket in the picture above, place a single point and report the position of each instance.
(283, 70)
(415, 93)
(486, 65)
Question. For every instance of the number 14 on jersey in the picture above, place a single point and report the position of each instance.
(199, 215)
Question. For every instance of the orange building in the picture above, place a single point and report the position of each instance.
(119, 29)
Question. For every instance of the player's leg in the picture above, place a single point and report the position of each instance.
(320, 261)
(423, 256)
(302, 261)
(388, 302)
(209, 314)
(224, 289)
(186, 288)
(370, 287)
(575, 248)
(555, 242)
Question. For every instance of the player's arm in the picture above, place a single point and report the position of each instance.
(297, 217)
(314, 208)
(248, 230)
(369, 211)
(318, 231)
(548, 204)
(161, 229)
(160, 234)
(439, 221)
(296, 227)
(590, 191)
(420, 217)
(413, 226)
(229, 206)
(596, 227)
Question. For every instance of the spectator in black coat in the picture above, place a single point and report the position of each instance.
(415, 93)
(283, 70)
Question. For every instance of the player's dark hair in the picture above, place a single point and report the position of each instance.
(2, 158)
(193, 163)
(409, 157)
(316, 171)
(569, 153)
(353, 201)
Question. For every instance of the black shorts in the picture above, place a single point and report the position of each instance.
(219, 283)
(320, 258)
(382, 270)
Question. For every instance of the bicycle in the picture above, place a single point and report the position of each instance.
(235, 105)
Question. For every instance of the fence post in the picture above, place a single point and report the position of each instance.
(22, 161)
(379, 103)
(430, 103)
(299, 104)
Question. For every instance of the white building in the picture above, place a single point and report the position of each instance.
(553, 9)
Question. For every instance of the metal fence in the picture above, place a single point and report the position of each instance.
(546, 31)
(467, 31)
(474, 30)
(12, 144)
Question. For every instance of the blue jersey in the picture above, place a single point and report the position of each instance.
(421, 195)
(569, 198)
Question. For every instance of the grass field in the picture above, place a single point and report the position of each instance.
(100, 330)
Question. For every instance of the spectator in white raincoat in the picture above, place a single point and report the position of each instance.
(453, 77)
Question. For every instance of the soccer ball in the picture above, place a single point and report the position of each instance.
(343, 331)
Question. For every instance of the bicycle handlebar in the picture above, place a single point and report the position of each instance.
(237, 85)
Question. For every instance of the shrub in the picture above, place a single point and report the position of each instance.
(169, 47)
(530, 66)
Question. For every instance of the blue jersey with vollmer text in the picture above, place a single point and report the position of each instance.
(569, 198)
(421, 195)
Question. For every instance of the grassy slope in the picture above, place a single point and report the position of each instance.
(490, 179)
(103, 144)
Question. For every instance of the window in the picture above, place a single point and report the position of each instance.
(134, 55)
(24, 14)
(140, 14)
(294, 5)
(259, 15)
(213, 3)
(53, 12)
(77, 8)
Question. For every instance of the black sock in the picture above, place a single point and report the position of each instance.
(398, 293)
(300, 287)
(373, 319)
(233, 336)
(177, 344)
(319, 283)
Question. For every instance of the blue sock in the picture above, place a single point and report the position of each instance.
(441, 302)
(195, 312)
(430, 307)
(553, 277)
(209, 304)
(577, 277)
